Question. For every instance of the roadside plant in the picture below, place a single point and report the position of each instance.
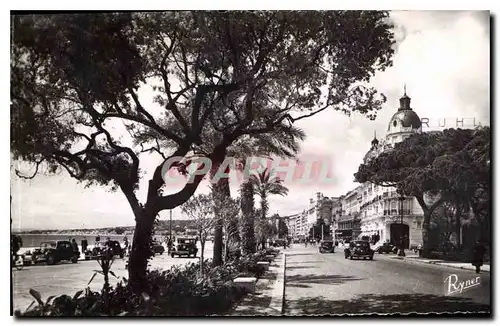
(105, 262)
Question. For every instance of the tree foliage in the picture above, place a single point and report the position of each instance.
(84, 70)
(180, 84)
(452, 164)
(200, 209)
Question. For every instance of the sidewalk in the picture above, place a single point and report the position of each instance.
(268, 297)
(411, 257)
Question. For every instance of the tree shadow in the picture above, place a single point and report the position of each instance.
(319, 279)
(305, 262)
(300, 267)
(396, 303)
(299, 254)
(253, 305)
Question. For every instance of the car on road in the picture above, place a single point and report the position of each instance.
(327, 246)
(158, 248)
(278, 242)
(53, 252)
(186, 246)
(98, 251)
(386, 248)
(359, 249)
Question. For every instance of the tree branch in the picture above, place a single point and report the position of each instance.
(140, 108)
(18, 173)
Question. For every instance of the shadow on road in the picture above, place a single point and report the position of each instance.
(398, 303)
(299, 267)
(318, 279)
(299, 254)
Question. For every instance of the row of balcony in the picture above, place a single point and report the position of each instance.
(386, 212)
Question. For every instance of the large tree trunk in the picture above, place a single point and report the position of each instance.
(425, 234)
(427, 219)
(141, 251)
(248, 224)
(222, 188)
(458, 224)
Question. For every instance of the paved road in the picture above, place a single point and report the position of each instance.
(68, 278)
(330, 284)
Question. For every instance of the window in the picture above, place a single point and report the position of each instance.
(395, 123)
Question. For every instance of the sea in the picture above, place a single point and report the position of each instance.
(34, 240)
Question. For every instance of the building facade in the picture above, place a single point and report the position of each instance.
(384, 214)
(372, 211)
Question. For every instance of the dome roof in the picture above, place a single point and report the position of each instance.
(405, 115)
(407, 118)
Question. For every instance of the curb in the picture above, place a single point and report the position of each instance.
(276, 292)
(279, 289)
(409, 260)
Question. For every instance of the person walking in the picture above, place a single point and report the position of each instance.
(478, 252)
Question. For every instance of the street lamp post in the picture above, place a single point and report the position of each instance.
(170, 227)
(402, 246)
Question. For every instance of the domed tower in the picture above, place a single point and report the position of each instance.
(403, 123)
(374, 149)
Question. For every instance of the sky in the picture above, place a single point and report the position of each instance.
(442, 57)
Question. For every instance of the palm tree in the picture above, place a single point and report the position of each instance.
(266, 183)
(283, 142)
(248, 243)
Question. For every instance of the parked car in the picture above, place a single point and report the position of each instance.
(327, 246)
(53, 252)
(186, 246)
(359, 249)
(158, 248)
(385, 248)
(98, 251)
(278, 242)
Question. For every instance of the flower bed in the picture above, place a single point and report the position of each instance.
(180, 291)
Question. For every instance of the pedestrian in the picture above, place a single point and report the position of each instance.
(478, 255)
(74, 245)
(169, 245)
(125, 244)
(84, 244)
(15, 244)
(108, 242)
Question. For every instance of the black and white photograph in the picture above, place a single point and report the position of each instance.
(250, 163)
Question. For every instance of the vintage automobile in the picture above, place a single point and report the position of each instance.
(158, 248)
(359, 249)
(278, 243)
(98, 251)
(386, 248)
(327, 246)
(186, 246)
(53, 252)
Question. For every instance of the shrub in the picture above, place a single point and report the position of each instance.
(180, 291)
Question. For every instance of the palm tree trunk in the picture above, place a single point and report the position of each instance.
(247, 209)
(263, 209)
